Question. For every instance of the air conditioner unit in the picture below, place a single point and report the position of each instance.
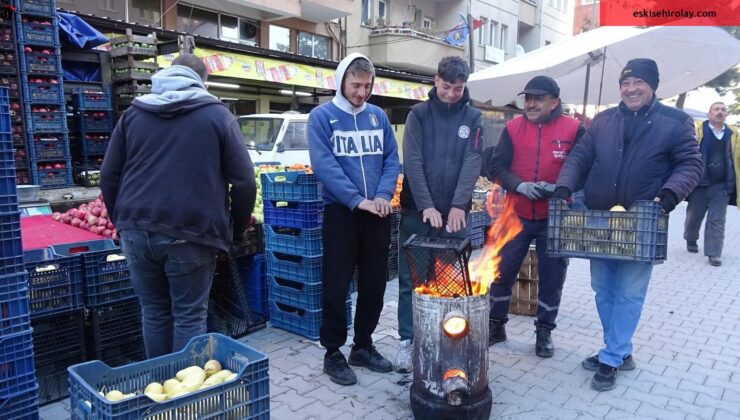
(493, 54)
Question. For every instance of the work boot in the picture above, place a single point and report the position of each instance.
(496, 331)
(336, 367)
(605, 379)
(370, 358)
(592, 363)
(715, 261)
(543, 347)
(403, 357)
(692, 246)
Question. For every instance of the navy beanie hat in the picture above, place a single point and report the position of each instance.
(642, 68)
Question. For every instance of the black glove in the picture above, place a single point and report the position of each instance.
(668, 199)
(561, 193)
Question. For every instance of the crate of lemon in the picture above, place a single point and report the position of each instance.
(637, 234)
(214, 376)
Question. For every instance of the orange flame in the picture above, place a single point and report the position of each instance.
(484, 270)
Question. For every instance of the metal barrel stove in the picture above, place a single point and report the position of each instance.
(450, 356)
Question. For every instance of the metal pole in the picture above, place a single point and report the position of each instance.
(585, 89)
(593, 15)
(471, 42)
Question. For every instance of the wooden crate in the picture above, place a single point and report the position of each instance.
(524, 292)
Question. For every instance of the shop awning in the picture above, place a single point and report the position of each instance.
(251, 67)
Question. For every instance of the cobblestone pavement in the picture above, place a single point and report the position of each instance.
(687, 349)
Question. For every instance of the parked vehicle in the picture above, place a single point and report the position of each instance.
(279, 138)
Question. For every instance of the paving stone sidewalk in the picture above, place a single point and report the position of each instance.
(687, 350)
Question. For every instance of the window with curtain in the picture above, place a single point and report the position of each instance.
(146, 12)
(367, 13)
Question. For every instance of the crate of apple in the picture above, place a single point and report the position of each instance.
(91, 216)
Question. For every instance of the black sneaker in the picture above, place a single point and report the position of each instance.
(605, 379)
(544, 347)
(336, 367)
(692, 246)
(715, 261)
(592, 363)
(496, 331)
(370, 358)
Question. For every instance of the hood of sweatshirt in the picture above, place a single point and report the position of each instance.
(175, 90)
(339, 99)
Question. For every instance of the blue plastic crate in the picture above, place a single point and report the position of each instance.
(11, 246)
(247, 397)
(298, 293)
(12, 83)
(54, 282)
(104, 281)
(8, 203)
(9, 65)
(58, 337)
(16, 364)
(295, 267)
(295, 241)
(49, 147)
(21, 405)
(478, 219)
(116, 335)
(14, 311)
(254, 275)
(36, 7)
(93, 143)
(300, 321)
(638, 234)
(95, 122)
(39, 63)
(295, 186)
(43, 91)
(86, 99)
(37, 31)
(7, 174)
(50, 120)
(52, 178)
(296, 214)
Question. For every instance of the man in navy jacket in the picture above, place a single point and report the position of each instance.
(640, 150)
(165, 181)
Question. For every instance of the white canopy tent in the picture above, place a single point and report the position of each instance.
(587, 66)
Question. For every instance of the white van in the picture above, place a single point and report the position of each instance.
(279, 138)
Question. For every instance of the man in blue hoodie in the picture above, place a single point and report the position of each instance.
(165, 181)
(355, 157)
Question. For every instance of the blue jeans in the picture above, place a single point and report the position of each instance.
(172, 279)
(620, 288)
(550, 272)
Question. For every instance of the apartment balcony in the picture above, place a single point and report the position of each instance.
(269, 10)
(408, 49)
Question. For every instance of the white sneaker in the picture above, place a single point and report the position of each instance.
(403, 357)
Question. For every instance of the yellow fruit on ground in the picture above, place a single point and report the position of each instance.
(182, 374)
(211, 367)
(154, 388)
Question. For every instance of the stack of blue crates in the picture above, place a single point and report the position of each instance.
(94, 123)
(18, 396)
(44, 108)
(293, 214)
(113, 332)
(57, 318)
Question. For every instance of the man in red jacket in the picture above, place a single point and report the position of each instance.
(526, 163)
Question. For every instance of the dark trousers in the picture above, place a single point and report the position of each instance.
(172, 279)
(711, 200)
(551, 274)
(351, 238)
